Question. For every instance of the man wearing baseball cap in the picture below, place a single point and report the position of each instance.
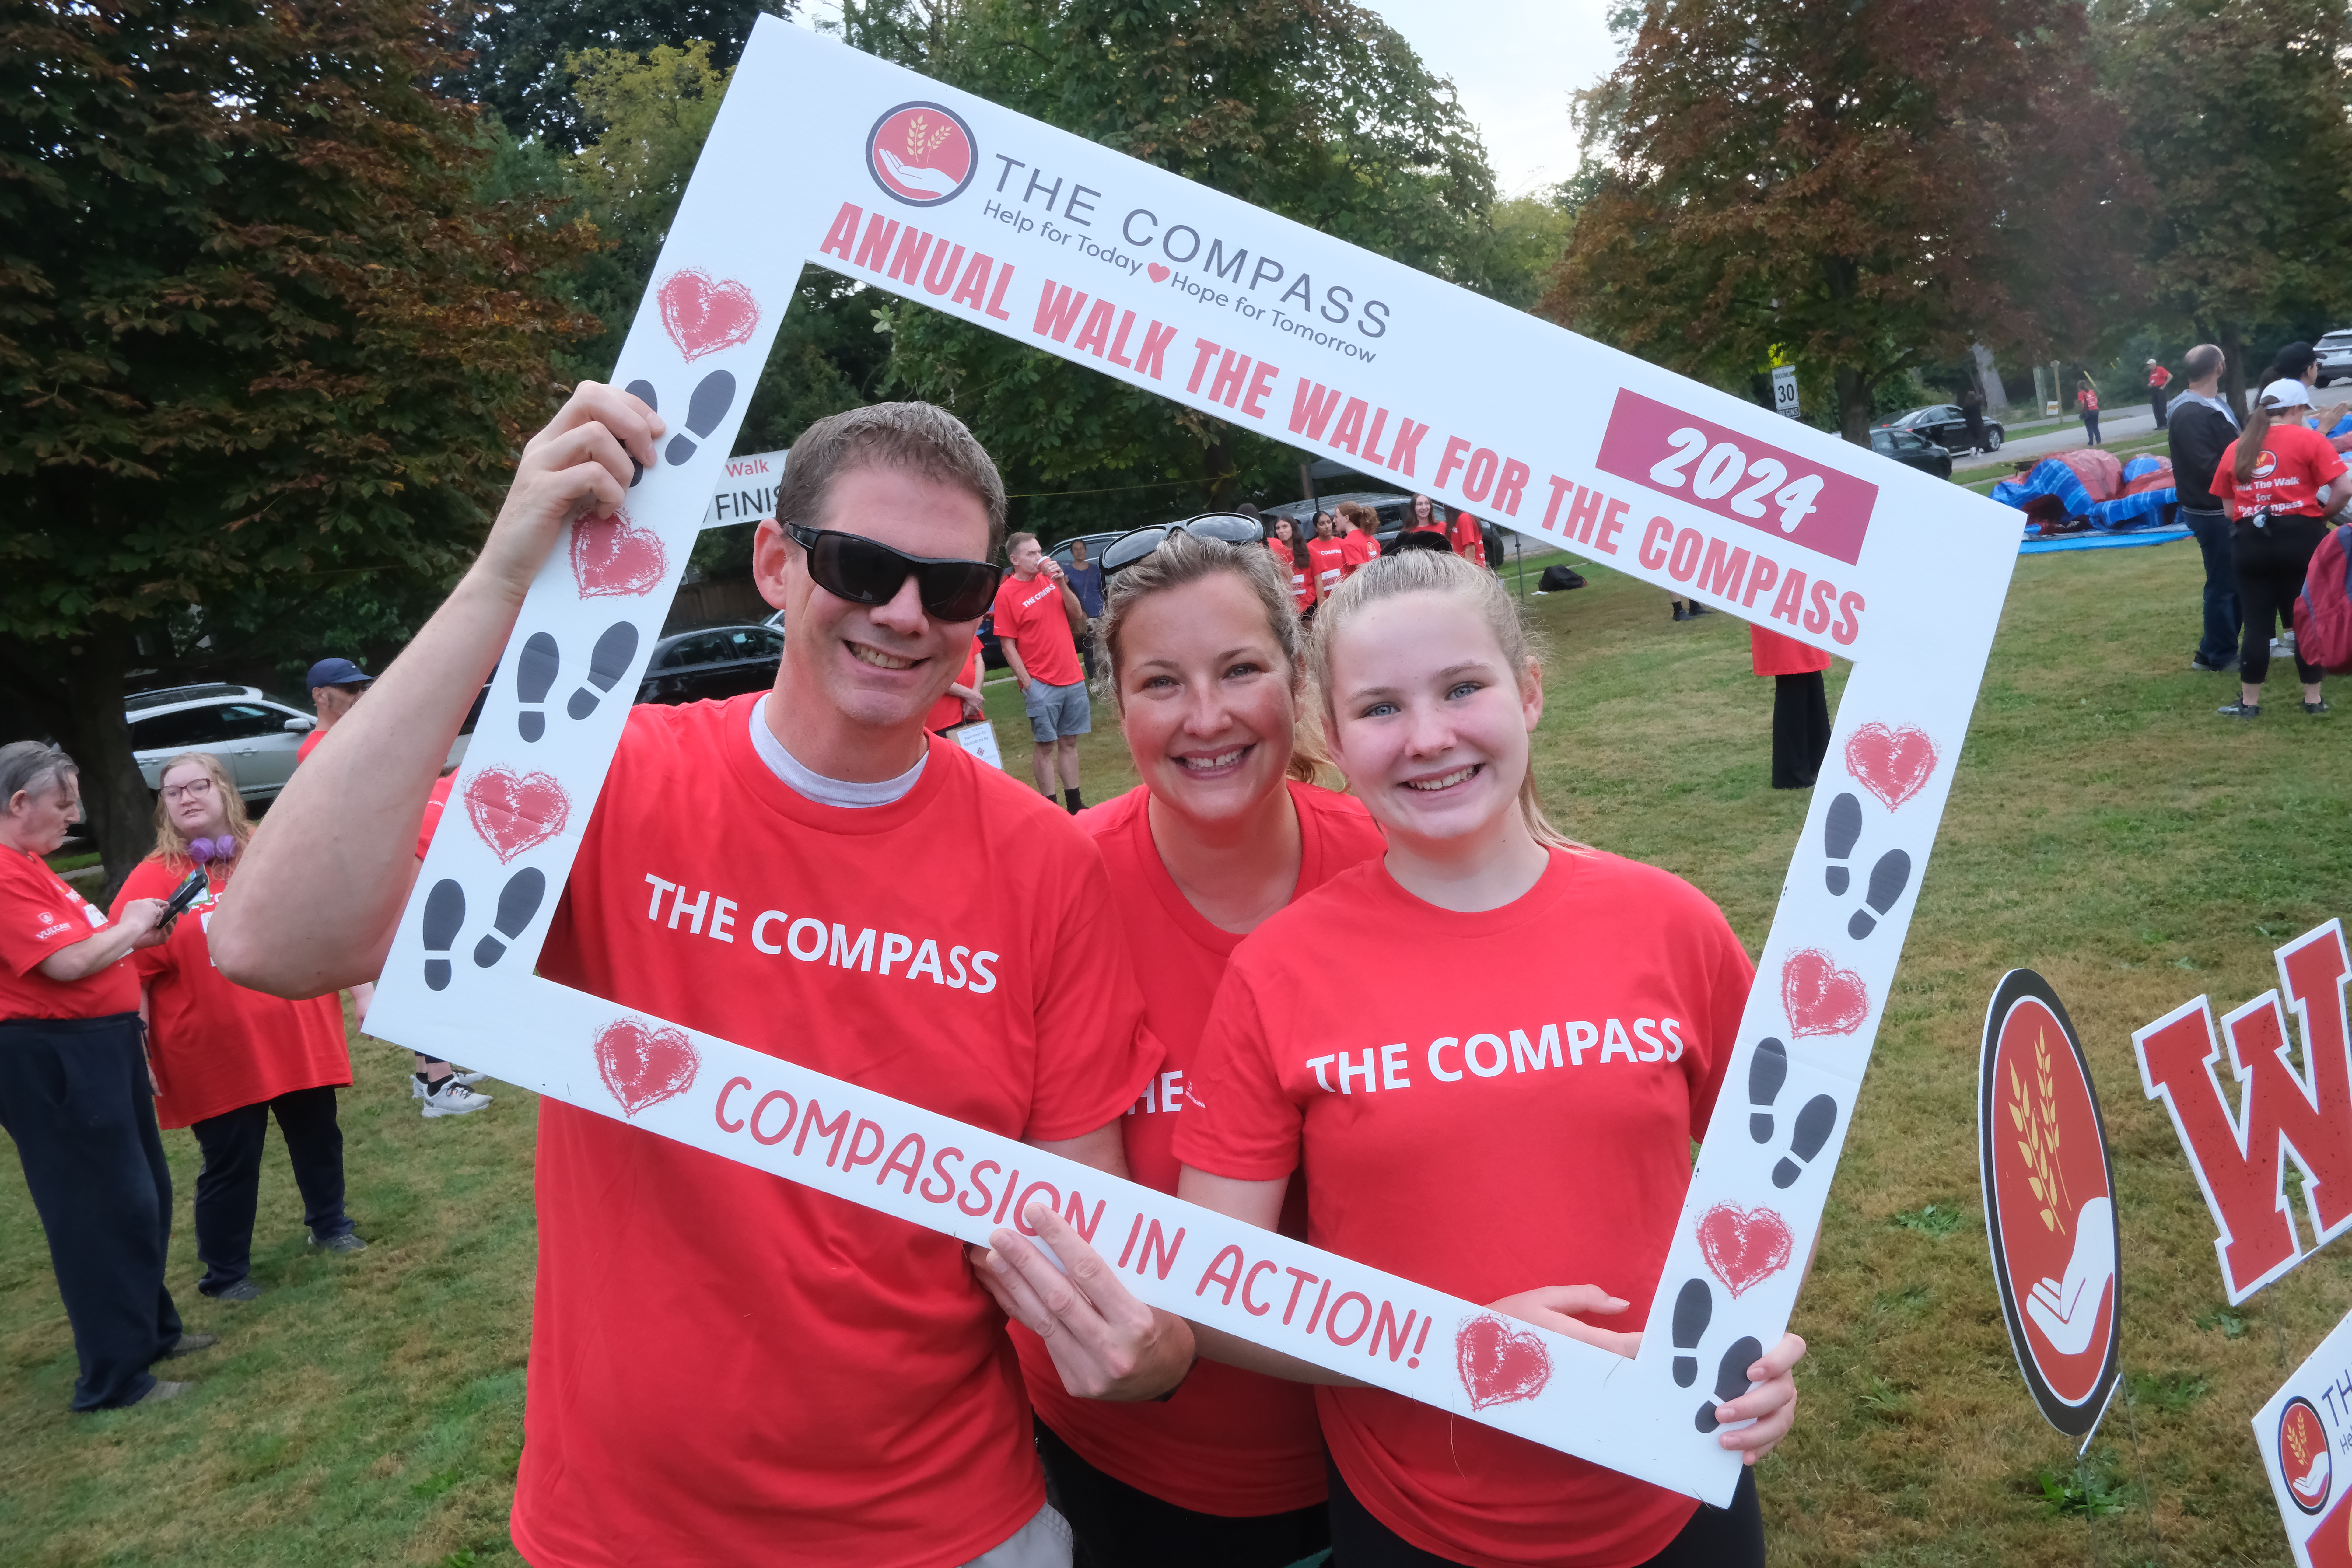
(2159, 381)
(335, 685)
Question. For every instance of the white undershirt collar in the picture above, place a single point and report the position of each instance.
(815, 786)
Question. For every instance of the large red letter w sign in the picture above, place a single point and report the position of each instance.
(2282, 1114)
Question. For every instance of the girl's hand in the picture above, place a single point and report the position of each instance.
(1772, 1401)
(1549, 1308)
(1105, 1343)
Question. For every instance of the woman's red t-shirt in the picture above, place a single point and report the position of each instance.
(1231, 1443)
(1331, 559)
(1456, 1151)
(1469, 539)
(1769, 653)
(1302, 585)
(215, 1044)
(1361, 549)
(2295, 462)
(947, 712)
(40, 916)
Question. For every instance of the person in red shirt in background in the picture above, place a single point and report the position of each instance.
(725, 1367)
(1800, 705)
(2159, 380)
(226, 1058)
(335, 684)
(1228, 826)
(1326, 557)
(1290, 554)
(1362, 542)
(963, 702)
(1038, 623)
(1469, 539)
(2270, 479)
(1480, 1168)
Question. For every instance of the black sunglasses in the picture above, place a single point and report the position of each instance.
(867, 571)
(1225, 527)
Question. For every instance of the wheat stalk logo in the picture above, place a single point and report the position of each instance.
(923, 140)
(2035, 1116)
(2300, 1445)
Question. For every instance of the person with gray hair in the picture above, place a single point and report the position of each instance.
(74, 1091)
(850, 1390)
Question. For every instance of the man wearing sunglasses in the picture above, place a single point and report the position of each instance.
(726, 1367)
(1038, 622)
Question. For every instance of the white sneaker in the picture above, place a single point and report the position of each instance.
(417, 1084)
(452, 1099)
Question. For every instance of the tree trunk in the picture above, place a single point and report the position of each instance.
(1989, 382)
(1853, 406)
(2233, 374)
(1216, 471)
(115, 799)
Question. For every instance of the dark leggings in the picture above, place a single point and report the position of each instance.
(1114, 1525)
(1801, 728)
(230, 1183)
(1715, 1537)
(2272, 561)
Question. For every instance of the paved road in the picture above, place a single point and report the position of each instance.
(2122, 425)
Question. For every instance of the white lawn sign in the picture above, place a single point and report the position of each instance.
(823, 155)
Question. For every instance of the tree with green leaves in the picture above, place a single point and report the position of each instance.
(1865, 187)
(521, 68)
(258, 332)
(2235, 111)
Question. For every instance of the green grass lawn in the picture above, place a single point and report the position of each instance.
(2105, 828)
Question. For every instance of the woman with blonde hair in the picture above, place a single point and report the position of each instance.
(1228, 826)
(225, 1058)
(1491, 1171)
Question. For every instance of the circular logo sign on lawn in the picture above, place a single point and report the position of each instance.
(922, 154)
(2304, 1456)
(2049, 1201)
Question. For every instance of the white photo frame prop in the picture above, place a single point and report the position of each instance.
(953, 202)
(2300, 1431)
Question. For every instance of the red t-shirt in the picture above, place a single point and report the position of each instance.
(1231, 1442)
(727, 1367)
(216, 1045)
(2159, 376)
(1361, 549)
(41, 914)
(1302, 585)
(1442, 1143)
(947, 712)
(435, 804)
(2088, 399)
(310, 743)
(1469, 541)
(1030, 615)
(2295, 462)
(1769, 653)
(1331, 559)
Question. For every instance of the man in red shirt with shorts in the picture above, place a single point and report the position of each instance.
(1038, 622)
(726, 1367)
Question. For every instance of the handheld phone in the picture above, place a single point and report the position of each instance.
(186, 893)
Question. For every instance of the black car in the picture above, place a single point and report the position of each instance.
(1912, 451)
(716, 661)
(1945, 425)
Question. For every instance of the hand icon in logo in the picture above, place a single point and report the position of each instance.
(2066, 1311)
(915, 177)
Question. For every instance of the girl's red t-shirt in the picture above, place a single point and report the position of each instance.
(727, 1367)
(2295, 462)
(1302, 586)
(40, 916)
(1230, 1443)
(215, 1044)
(1532, 1127)
(1469, 539)
(1361, 549)
(1331, 559)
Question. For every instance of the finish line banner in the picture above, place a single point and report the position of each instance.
(821, 154)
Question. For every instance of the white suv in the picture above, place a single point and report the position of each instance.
(257, 736)
(2335, 352)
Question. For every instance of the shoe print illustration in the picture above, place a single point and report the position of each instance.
(2049, 1201)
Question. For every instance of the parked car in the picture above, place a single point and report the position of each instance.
(2335, 352)
(1912, 451)
(1094, 543)
(1392, 510)
(1945, 424)
(256, 735)
(713, 661)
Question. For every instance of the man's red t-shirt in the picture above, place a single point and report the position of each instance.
(41, 915)
(1361, 549)
(2159, 376)
(1444, 1141)
(1469, 541)
(310, 743)
(1331, 559)
(1030, 615)
(726, 1367)
(1231, 1442)
(947, 712)
(2295, 462)
(216, 1045)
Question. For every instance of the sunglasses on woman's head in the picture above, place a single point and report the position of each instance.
(867, 571)
(1225, 527)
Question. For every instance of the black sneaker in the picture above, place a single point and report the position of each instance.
(2315, 709)
(189, 1344)
(243, 1290)
(2201, 667)
(348, 1242)
(2240, 709)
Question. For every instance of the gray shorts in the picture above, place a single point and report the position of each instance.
(1055, 711)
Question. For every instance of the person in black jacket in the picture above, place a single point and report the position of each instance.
(2198, 426)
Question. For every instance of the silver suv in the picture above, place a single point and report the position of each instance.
(2335, 352)
(256, 735)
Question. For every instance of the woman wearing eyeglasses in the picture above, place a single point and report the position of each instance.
(1227, 827)
(225, 1058)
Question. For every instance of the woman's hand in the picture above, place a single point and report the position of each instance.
(1772, 1401)
(1549, 1308)
(143, 918)
(1105, 1342)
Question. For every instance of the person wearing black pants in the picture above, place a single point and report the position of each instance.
(74, 1091)
(1715, 1537)
(1800, 705)
(2275, 477)
(228, 1185)
(2272, 562)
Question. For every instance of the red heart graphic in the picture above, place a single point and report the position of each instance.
(1159, 273)
(1820, 998)
(611, 558)
(1744, 1245)
(1499, 1363)
(643, 1066)
(1892, 764)
(514, 811)
(703, 317)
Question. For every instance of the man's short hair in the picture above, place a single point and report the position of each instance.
(2201, 362)
(1016, 541)
(912, 437)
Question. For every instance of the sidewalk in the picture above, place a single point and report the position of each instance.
(2122, 424)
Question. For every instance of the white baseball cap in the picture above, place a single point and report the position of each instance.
(2286, 392)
